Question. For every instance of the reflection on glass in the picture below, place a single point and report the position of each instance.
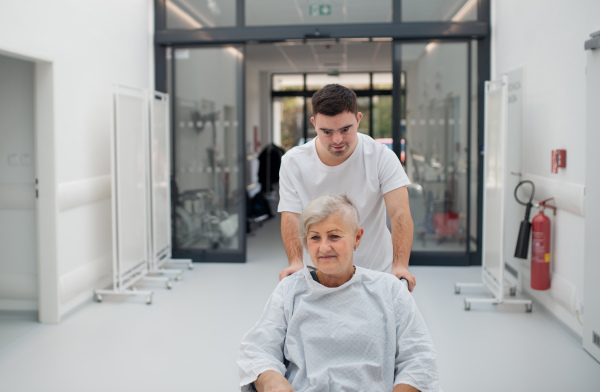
(439, 10)
(292, 82)
(382, 117)
(382, 81)
(208, 188)
(288, 117)
(437, 143)
(363, 105)
(354, 81)
(302, 12)
(311, 132)
(198, 14)
(474, 151)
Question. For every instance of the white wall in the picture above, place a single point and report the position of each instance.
(91, 45)
(547, 42)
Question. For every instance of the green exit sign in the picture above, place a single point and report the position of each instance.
(320, 9)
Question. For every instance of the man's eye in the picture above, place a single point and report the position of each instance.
(327, 133)
(345, 130)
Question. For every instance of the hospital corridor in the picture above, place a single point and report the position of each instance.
(164, 164)
(188, 339)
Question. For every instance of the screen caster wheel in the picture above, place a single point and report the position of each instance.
(98, 297)
(149, 300)
(528, 308)
(169, 285)
(456, 289)
(467, 305)
(513, 291)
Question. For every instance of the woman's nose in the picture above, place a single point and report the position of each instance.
(324, 246)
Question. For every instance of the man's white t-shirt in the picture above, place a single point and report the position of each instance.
(369, 173)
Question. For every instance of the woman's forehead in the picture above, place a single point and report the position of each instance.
(332, 222)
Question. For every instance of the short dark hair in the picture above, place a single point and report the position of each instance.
(334, 99)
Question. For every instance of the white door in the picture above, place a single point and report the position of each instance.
(18, 244)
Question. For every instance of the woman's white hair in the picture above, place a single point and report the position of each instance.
(323, 206)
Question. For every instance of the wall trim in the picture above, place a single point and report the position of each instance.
(78, 193)
(568, 196)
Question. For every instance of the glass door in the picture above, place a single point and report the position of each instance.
(208, 184)
(435, 124)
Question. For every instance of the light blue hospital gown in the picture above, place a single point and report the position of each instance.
(366, 335)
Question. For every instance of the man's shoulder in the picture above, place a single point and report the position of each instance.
(298, 152)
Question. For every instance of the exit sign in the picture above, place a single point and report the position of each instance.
(320, 9)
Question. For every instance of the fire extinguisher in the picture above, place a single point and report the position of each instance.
(540, 249)
(540, 240)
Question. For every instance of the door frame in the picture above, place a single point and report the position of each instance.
(46, 200)
(399, 31)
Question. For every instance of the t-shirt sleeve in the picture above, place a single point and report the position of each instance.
(289, 200)
(261, 348)
(416, 363)
(391, 172)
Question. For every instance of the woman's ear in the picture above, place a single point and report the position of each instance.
(359, 234)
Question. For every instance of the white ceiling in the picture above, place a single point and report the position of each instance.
(328, 55)
(324, 55)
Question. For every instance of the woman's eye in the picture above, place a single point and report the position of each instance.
(334, 237)
(314, 238)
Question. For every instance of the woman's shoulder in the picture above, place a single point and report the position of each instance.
(382, 279)
(294, 282)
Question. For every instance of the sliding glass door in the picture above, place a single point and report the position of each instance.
(208, 182)
(437, 124)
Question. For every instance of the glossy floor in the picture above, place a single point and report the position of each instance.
(187, 340)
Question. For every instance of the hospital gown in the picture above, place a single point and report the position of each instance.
(366, 335)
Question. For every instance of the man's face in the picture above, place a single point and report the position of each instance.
(337, 134)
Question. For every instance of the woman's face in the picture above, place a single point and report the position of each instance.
(330, 244)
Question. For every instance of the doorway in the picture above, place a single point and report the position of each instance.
(18, 222)
(436, 109)
(28, 209)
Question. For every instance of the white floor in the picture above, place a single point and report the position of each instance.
(187, 339)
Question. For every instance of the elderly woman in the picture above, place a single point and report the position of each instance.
(338, 327)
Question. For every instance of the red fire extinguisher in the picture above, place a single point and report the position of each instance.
(540, 250)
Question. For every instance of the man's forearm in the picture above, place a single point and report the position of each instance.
(402, 238)
(290, 234)
(404, 388)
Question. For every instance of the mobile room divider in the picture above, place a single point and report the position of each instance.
(129, 169)
(160, 189)
(494, 201)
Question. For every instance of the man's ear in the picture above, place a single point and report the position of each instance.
(312, 120)
(359, 116)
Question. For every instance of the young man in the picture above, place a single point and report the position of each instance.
(340, 160)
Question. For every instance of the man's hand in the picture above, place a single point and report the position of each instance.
(398, 209)
(272, 381)
(402, 272)
(290, 270)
